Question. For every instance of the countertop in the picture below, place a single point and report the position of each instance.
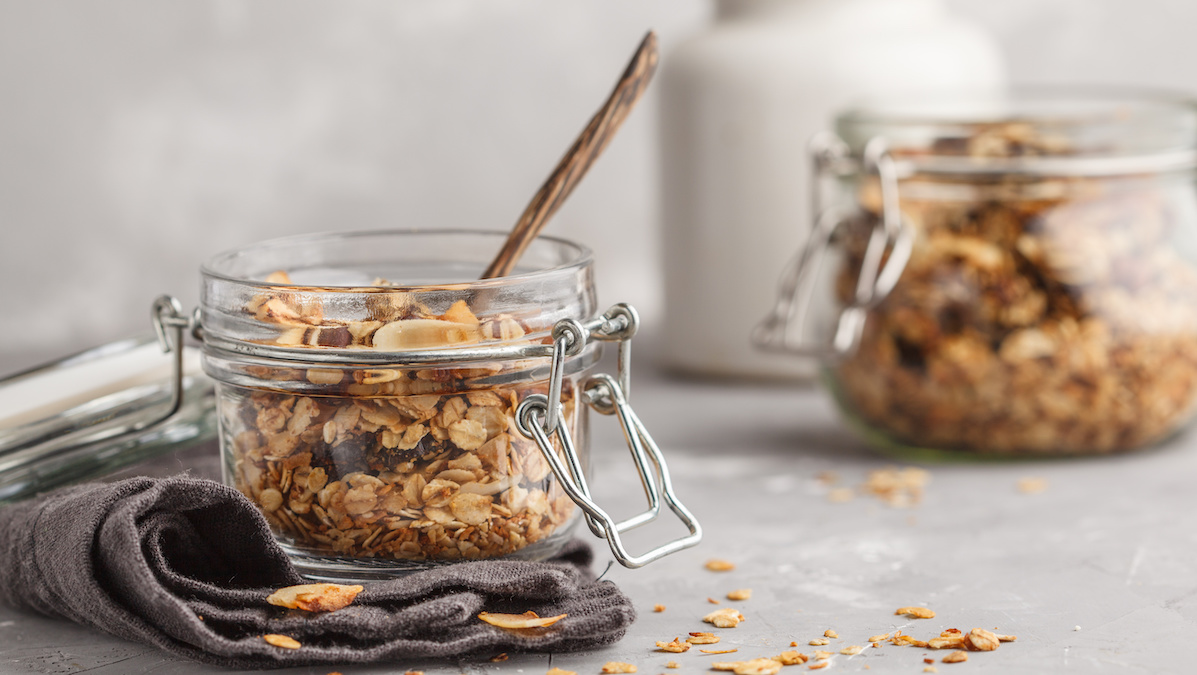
(1096, 572)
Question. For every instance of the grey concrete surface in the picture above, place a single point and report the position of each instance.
(1095, 574)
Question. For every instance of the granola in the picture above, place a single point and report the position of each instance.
(1035, 315)
(413, 463)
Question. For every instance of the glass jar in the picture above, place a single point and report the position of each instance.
(1011, 276)
(387, 411)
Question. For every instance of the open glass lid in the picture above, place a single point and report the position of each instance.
(92, 413)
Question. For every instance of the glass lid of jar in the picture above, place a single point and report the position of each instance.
(97, 411)
(1063, 131)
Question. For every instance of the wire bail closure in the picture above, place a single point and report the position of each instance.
(539, 418)
(782, 330)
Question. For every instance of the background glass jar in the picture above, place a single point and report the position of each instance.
(1011, 276)
(367, 396)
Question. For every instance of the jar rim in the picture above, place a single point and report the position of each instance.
(577, 256)
(1101, 130)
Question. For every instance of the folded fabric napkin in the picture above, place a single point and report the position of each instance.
(186, 565)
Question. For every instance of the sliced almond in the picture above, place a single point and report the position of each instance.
(282, 641)
(315, 597)
(525, 620)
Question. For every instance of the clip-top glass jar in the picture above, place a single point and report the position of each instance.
(1012, 277)
(386, 410)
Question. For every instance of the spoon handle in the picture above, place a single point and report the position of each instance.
(577, 160)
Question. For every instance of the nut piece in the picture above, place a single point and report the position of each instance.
(916, 612)
(981, 640)
(282, 641)
(677, 646)
(956, 657)
(753, 667)
(718, 651)
(618, 667)
(852, 650)
(672, 664)
(819, 642)
(830, 633)
(724, 618)
(658, 608)
(560, 671)
(740, 594)
(315, 597)
(879, 638)
(702, 638)
(717, 565)
(526, 620)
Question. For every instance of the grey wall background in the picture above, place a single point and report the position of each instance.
(139, 137)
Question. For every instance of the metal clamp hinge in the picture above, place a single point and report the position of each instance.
(886, 254)
(539, 418)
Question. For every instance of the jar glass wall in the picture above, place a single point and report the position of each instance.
(367, 389)
(1049, 303)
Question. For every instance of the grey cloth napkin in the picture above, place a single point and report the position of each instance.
(186, 565)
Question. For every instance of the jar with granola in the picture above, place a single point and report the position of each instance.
(387, 410)
(1009, 277)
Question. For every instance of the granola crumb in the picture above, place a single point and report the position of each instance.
(958, 656)
(672, 664)
(1032, 485)
(702, 638)
(830, 633)
(819, 642)
(820, 664)
(981, 640)
(753, 667)
(791, 658)
(618, 667)
(740, 594)
(658, 608)
(676, 646)
(724, 618)
(559, 671)
(879, 638)
(852, 650)
(499, 658)
(930, 669)
(916, 612)
(822, 655)
(717, 565)
(840, 495)
(718, 651)
(713, 601)
(793, 643)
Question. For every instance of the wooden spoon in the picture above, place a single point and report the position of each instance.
(577, 160)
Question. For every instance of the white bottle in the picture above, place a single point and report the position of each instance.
(739, 103)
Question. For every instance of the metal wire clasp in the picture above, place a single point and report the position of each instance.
(783, 329)
(539, 418)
